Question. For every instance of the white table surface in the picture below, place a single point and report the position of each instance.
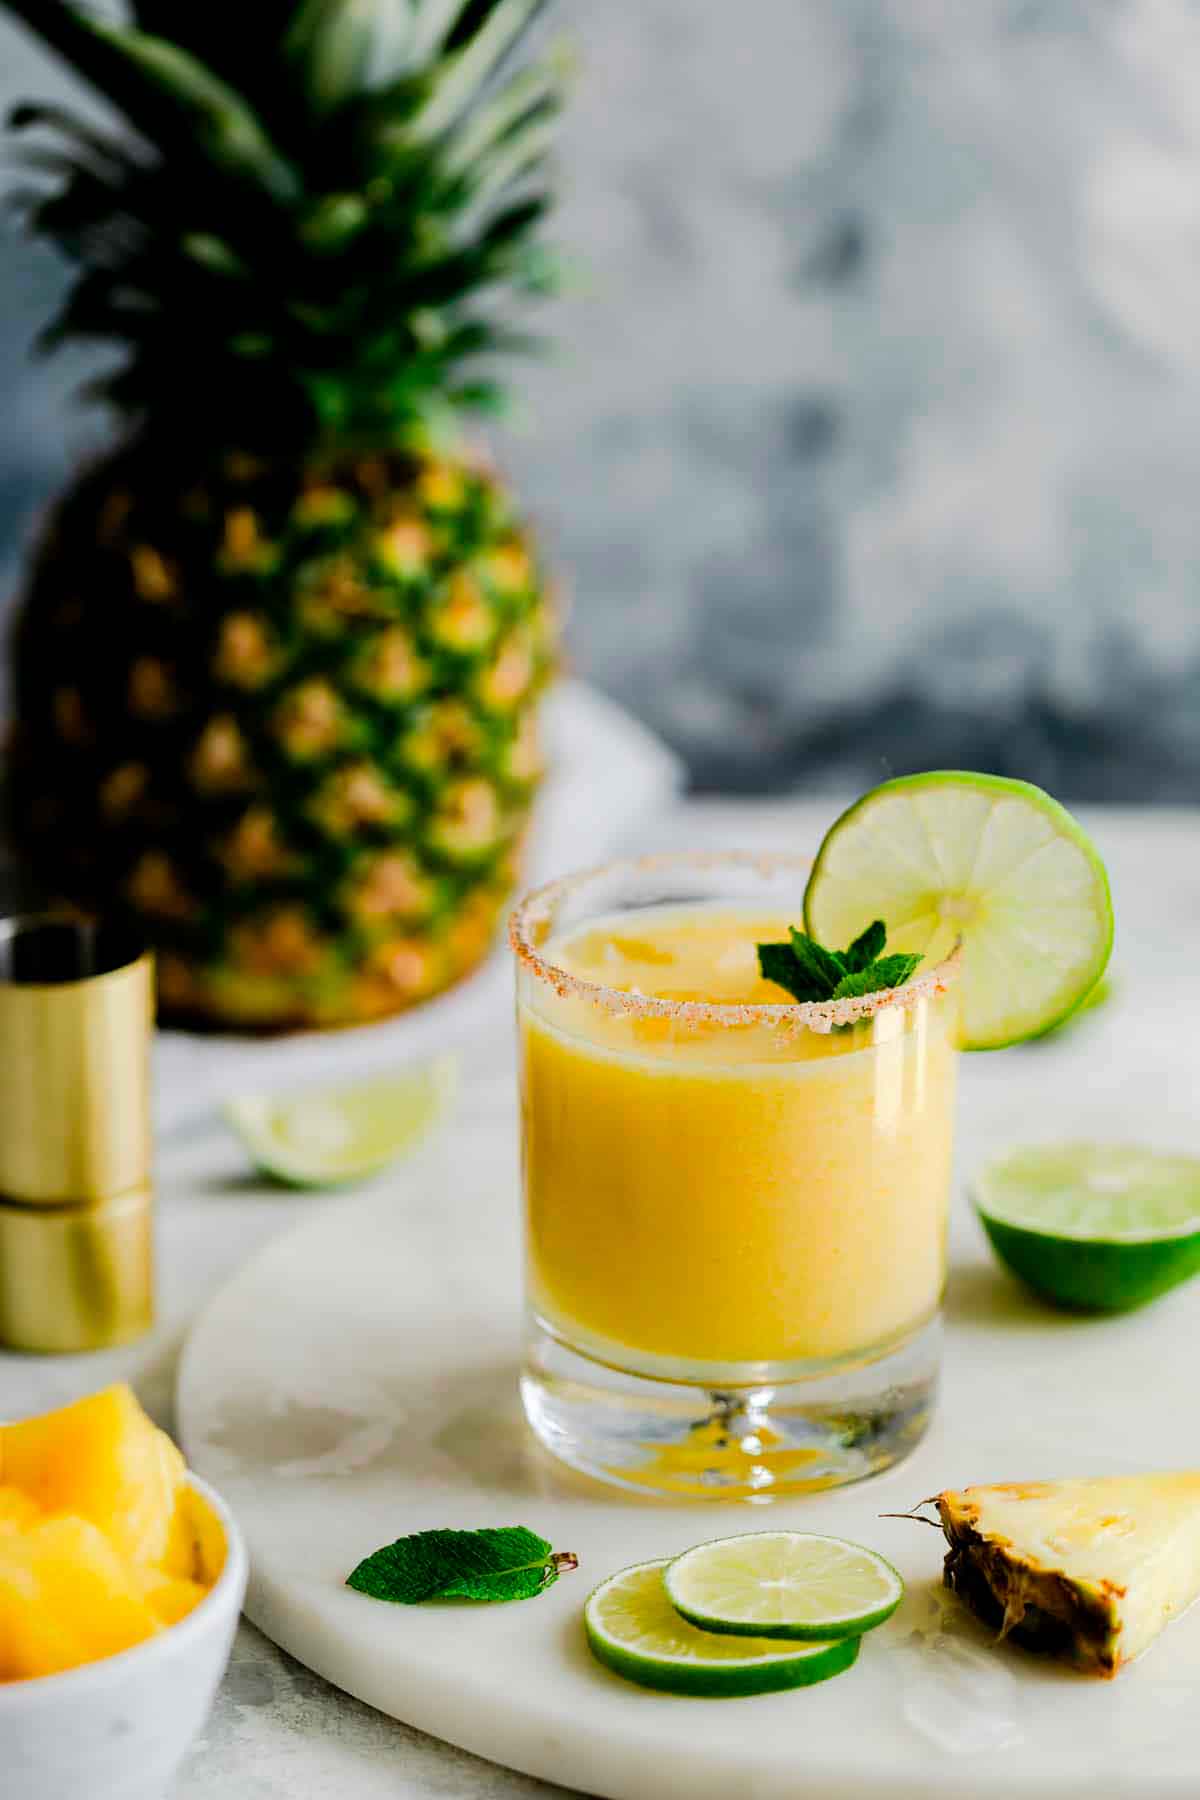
(279, 1732)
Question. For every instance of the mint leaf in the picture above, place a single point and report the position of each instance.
(777, 963)
(887, 972)
(866, 948)
(507, 1562)
(824, 966)
(892, 971)
(808, 971)
(860, 981)
(506, 1584)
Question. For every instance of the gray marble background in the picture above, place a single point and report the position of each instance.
(874, 441)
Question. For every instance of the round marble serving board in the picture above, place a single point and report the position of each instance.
(357, 1380)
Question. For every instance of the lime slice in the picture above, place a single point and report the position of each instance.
(996, 863)
(1096, 1226)
(634, 1630)
(784, 1584)
(336, 1135)
(1092, 1001)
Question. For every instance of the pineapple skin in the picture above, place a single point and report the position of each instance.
(283, 721)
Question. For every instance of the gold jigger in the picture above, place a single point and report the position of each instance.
(76, 1204)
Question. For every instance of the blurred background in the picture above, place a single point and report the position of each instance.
(874, 437)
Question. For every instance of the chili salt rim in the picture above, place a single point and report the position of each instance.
(808, 1015)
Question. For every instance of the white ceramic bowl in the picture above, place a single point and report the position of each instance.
(118, 1729)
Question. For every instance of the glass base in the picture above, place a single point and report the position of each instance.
(779, 1434)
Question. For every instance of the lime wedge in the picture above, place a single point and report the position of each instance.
(327, 1137)
(994, 862)
(1101, 1227)
(784, 1584)
(634, 1630)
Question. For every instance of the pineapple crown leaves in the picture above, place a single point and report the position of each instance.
(309, 227)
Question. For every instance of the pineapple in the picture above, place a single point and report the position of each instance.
(103, 1459)
(103, 1542)
(66, 1598)
(278, 667)
(1087, 1570)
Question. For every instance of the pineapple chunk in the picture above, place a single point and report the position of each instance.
(196, 1544)
(208, 1537)
(17, 1510)
(102, 1460)
(66, 1597)
(169, 1597)
(1087, 1570)
(102, 1541)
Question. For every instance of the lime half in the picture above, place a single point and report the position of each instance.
(634, 1630)
(329, 1136)
(784, 1584)
(1100, 1227)
(996, 863)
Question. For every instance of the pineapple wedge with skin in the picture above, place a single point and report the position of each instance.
(1087, 1570)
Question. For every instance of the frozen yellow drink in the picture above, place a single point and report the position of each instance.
(717, 1188)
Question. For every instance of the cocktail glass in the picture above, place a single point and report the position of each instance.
(735, 1215)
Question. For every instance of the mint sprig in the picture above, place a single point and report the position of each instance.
(810, 972)
(504, 1562)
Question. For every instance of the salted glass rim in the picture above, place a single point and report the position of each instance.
(539, 907)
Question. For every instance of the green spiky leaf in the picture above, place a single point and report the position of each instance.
(165, 92)
(332, 42)
(529, 100)
(328, 200)
(98, 148)
(433, 23)
(461, 77)
(241, 43)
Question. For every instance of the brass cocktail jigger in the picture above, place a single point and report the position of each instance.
(76, 1203)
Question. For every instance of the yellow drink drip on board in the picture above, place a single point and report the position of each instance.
(718, 1193)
